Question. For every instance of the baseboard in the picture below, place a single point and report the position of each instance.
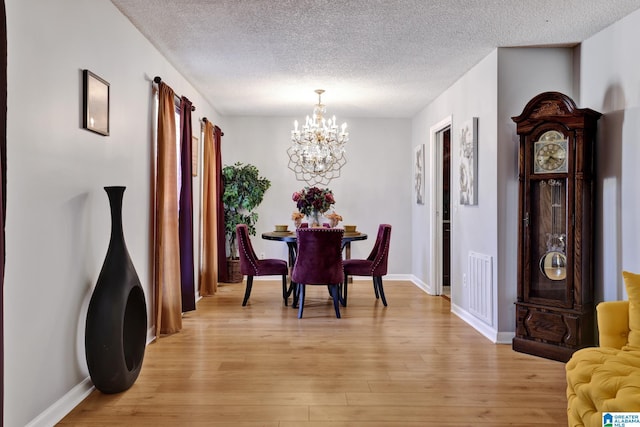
(419, 284)
(489, 332)
(56, 412)
(505, 337)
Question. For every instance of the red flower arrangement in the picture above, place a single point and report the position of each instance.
(311, 199)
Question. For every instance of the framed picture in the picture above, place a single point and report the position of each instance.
(469, 162)
(195, 149)
(95, 103)
(418, 174)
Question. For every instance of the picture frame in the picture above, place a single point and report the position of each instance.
(95, 103)
(469, 162)
(418, 174)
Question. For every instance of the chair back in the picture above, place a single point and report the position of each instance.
(319, 259)
(380, 253)
(248, 258)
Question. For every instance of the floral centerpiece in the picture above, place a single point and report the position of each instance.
(312, 202)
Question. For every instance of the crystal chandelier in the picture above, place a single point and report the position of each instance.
(316, 154)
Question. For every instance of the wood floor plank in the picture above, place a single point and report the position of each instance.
(410, 364)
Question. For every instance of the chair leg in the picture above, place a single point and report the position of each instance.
(345, 290)
(335, 293)
(285, 293)
(294, 289)
(300, 299)
(378, 279)
(247, 291)
(375, 288)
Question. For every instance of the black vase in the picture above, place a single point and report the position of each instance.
(116, 327)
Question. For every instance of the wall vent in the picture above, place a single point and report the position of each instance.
(480, 274)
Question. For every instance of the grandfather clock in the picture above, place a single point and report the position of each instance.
(555, 310)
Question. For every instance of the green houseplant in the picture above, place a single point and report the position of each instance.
(244, 190)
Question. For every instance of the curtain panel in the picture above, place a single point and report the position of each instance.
(168, 305)
(223, 271)
(3, 187)
(185, 215)
(212, 212)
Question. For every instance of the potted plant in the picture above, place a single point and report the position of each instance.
(244, 190)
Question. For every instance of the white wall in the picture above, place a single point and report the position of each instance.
(522, 74)
(473, 228)
(494, 90)
(610, 84)
(58, 221)
(374, 187)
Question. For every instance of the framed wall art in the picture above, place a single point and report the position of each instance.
(95, 103)
(418, 174)
(469, 162)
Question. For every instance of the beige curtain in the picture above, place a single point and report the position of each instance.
(209, 272)
(168, 301)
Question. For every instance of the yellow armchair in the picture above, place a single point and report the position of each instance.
(613, 324)
(607, 378)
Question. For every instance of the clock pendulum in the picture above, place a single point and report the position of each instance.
(553, 263)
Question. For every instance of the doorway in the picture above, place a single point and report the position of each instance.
(440, 203)
(446, 209)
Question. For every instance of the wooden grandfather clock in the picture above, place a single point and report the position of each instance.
(555, 309)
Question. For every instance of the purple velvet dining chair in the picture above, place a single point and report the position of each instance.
(375, 265)
(251, 266)
(319, 262)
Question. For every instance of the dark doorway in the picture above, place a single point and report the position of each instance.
(3, 186)
(446, 208)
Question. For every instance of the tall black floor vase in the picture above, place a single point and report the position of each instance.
(116, 328)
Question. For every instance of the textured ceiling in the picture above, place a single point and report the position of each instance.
(374, 58)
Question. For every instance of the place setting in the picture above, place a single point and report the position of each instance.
(282, 230)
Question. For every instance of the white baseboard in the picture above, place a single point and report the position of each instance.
(489, 332)
(505, 337)
(56, 412)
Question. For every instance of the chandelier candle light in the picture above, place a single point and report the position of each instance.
(316, 154)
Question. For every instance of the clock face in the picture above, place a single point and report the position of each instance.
(550, 153)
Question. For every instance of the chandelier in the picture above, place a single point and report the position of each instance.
(316, 154)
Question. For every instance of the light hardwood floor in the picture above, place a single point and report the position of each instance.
(410, 364)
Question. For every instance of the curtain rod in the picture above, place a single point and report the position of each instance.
(205, 120)
(157, 81)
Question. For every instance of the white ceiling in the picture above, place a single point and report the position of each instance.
(374, 58)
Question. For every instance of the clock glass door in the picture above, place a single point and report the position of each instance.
(548, 265)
